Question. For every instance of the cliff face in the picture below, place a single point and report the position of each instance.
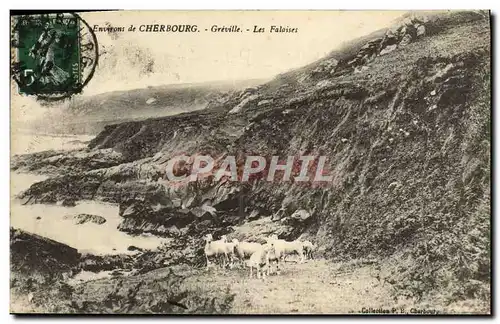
(406, 134)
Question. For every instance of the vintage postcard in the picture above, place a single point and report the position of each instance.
(251, 162)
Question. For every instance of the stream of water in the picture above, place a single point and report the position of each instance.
(51, 221)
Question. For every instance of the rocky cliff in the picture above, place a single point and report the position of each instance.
(404, 119)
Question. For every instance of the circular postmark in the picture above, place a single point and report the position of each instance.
(53, 56)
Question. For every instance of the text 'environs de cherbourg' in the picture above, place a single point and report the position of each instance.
(182, 28)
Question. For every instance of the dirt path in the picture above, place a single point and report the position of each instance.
(313, 287)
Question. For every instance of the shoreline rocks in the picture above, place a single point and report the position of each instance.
(86, 218)
(32, 253)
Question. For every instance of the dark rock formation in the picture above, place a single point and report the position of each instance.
(97, 263)
(133, 248)
(85, 218)
(34, 254)
(58, 162)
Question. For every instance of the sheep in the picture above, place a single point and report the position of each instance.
(231, 251)
(216, 249)
(260, 261)
(272, 257)
(243, 250)
(229, 254)
(308, 249)
(285, 248)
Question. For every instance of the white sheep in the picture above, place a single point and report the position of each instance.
(245, 249)
(259, 260)
(285, 248)
(231, 251)
(217, 249)
(272, 257)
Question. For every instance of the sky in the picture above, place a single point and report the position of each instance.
(206, 56)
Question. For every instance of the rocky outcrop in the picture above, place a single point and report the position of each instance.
(97, 263)
(115, 184)
(260, 230)
(408, 32)
(58, 162)
(324, 68)
(184, 212)
(34, 254)
(86, 218)
(183, 250)
(246, 101)
(59, 189)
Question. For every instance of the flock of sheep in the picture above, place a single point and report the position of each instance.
(261, 257)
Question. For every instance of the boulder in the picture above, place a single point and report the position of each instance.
(209, 209)
(254, 215)
(301, 215)
(150, 101)
(420, 30)
(407, 39)
(261, 229)
(243, 104)
(264, 102)
(201, 213)
(188, 202)
(353, 62)
(139, 216)
(388, 49)
(85, 218)
(227, 198)
(278, 215)
(173, 231)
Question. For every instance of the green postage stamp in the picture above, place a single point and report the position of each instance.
(51, 53)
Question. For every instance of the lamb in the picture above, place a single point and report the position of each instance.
(216, 249)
